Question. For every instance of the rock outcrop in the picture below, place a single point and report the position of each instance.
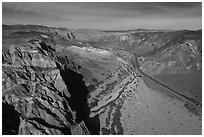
(40, 95)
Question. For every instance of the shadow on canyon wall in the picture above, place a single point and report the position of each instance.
(78, 100)
(10, 120)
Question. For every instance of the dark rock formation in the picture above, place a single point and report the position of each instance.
(38, 96)
(10, 120)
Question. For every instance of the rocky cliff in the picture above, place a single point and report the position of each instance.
(40, 95)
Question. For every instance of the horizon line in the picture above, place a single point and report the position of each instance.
(133, 29)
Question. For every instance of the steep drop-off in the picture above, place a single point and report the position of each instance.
(40, 94)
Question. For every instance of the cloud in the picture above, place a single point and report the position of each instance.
(106, 15)
(11, 10)
(26, 11)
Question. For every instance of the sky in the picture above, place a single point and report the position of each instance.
(106, 15)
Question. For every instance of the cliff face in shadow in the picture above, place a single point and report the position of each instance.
(10, 120)
(78, 92)
(78, 99)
